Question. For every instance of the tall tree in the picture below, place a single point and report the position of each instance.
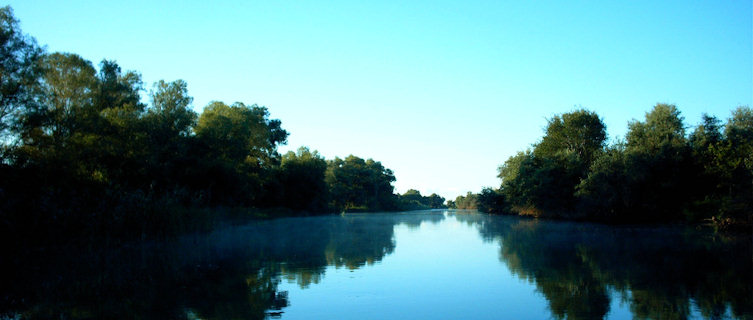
(662, 129)
(20, 74)
(170, 113)
(70, 85)
(650, 179)
(117, 89)
(580, 132)
(544, 181)
(737, 166)
(239, 144)
(170, 122)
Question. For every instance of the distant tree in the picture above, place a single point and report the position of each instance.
(355, 183)
(413, 195)
(469, 201)
(492, 201)
(413, 200)
(435, 201)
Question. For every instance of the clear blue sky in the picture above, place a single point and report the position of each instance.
(442, 92)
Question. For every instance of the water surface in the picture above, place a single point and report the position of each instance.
(414, 265)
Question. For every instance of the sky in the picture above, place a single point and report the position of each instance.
(441, 92)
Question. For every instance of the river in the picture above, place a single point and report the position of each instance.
(438, 264)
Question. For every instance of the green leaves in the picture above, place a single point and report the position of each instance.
(170, 112)
(663, 128)
(658, 174)
(355, 183)
(20, 74)
(413, 200)
(580, 132)
(241, 133)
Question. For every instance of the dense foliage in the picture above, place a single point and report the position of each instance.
(413, 200)
(85, 153)
(658, 174)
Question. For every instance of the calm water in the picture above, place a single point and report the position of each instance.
(415, 265)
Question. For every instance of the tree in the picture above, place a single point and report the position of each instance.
(435, 201)
(648, 178)
(62, 132)
(241, 133)
(543, 181)
(706, 143)
(606, 193)
(117, 89)
(469, 201)
(69, 84)
(662, 129)
(302, 179)
(412, 200)
(355, 183)
(20, 75)
(735, 165)
(707, 134)
(170, 114)
(239, 144)
(169, 121)
(660, 167)
(492, 201)
(580, 132)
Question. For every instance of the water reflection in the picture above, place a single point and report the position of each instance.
(661, 272)
(579, 269)
(232, 273)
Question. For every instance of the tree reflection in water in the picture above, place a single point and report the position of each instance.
(662, 272)
(230, 273)
(579, 268)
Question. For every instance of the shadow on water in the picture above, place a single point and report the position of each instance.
(231, 273)
(661, 272)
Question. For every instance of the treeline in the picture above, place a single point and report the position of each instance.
(82, 154)
(658, 173)
(413, 200)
